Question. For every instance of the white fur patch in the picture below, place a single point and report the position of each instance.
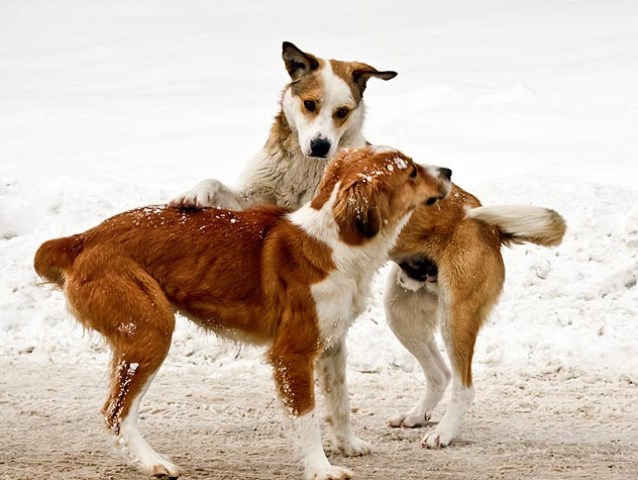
(447, 428)
(401, 163)
(308, 441)
(408, 283)
(521, 220)
(335, 94)
(433, 171)
(134, 446)
(343, 294)
(308, 433)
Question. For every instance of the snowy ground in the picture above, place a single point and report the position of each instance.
(111, 105)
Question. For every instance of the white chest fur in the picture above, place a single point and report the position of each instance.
(342, 295)
(339, 300)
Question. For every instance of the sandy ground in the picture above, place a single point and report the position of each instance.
(564, 424)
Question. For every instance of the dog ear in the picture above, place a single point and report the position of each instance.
(298, 63)
(357, 212)
(362, 73)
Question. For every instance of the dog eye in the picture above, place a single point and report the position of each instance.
(310, 105)
(342, 112)
(413, 172)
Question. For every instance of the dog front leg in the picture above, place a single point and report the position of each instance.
(210, 193)
(332, 378)
(295, 383)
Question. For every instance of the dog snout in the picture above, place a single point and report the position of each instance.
(319, 147)
(442, 183)
(445, 173)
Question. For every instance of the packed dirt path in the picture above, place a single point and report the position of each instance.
(552, 425)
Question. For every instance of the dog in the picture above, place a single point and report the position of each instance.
(289, 167)
(322, 111)
(449, 272)
(291, 281)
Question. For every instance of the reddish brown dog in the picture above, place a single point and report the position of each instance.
(291, 281)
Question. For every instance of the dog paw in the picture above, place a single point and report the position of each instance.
(330, 473)
(148, 460)
(352, 446)
(162, 468)
(435, 440)
(207, 193)
(408, 420)
(166, 470)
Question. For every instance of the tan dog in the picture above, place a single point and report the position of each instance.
(451, 274)
(322, 111)
(291, 281)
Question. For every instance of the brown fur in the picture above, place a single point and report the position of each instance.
(357, 74)
(471, 273)
(470, 265)
(247, 280)
(245, 275)
(471, 269)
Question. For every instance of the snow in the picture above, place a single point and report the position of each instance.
(108, 106)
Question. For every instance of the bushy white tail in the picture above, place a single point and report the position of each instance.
(523, 223)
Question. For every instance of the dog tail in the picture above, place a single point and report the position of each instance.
(55, 256)
(523, 224)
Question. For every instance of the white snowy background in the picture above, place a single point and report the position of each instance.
(110, 105)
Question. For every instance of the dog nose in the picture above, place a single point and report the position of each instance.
(319, 147)
(446, 172)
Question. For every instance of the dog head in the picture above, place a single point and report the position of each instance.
(323, 102)
(376, 189)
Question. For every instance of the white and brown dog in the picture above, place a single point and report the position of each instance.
(450, 274)
(322, 111)
(291, 281)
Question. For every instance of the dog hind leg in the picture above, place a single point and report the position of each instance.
(331, 367)
(460, 324)
(132, 312)
(437, 376)
(412, 317)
